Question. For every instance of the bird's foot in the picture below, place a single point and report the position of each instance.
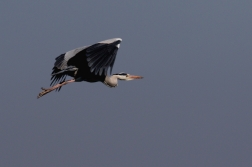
(45, 91)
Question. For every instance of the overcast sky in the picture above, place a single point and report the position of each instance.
(192, 109)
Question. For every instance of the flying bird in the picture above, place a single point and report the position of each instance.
(87, 63)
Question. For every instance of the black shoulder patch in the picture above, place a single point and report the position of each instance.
(121, 73)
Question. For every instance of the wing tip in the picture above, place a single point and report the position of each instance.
(111, 40)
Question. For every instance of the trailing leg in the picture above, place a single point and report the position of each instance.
(45, 91)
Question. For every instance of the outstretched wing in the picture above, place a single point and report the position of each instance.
(101, 56)
(98, 57)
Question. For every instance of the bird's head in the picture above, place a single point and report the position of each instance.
(127, 77)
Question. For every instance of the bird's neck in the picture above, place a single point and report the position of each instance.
(111, 81)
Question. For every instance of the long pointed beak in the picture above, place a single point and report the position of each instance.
(134, 77)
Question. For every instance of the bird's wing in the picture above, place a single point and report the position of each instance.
(98, 57)
(101, 56)
(61, 61)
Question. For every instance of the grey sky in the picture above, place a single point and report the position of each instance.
(192, 109)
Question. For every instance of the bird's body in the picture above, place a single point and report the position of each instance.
(88, 63)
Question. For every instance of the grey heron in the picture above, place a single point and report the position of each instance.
(87, 63)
